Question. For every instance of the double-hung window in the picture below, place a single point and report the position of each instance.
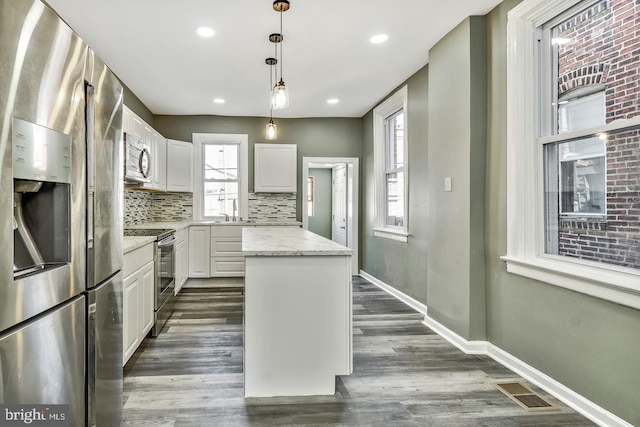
(221, 178)
(390, 149)
(574, 145)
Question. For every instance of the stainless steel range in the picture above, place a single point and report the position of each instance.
(164, 259)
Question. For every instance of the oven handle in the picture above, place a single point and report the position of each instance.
(166, 242)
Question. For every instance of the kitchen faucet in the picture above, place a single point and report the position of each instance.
(235, 208)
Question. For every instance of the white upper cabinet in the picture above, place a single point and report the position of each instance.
(179, 166)
(275, 168)
(158, 147)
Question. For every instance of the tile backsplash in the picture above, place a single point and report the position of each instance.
(272, 207)
(144, 206)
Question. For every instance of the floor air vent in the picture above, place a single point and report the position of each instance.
(524, 397)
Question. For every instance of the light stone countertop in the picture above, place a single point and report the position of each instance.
(131, 243)
(181, 225)
(284, 241)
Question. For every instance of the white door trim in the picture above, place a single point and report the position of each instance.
(353, 188)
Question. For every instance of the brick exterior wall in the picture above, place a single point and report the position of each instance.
(605, 50)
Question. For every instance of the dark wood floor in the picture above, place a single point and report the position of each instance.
(404, 374)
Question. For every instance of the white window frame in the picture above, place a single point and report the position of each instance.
(525, 183)
(396, 102)
(201, 139)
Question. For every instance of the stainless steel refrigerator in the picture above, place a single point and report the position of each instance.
(60, 219)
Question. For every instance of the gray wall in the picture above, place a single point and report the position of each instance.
(457, 88)
(315, 137)
(590, 345)
(320, 222)
(402, 265)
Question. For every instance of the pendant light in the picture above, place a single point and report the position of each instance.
(280, 93)
(272, 129)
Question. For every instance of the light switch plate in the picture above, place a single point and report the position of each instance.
(447, 183)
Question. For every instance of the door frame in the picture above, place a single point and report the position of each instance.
(353, 189)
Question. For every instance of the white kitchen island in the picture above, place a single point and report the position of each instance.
(298, 311)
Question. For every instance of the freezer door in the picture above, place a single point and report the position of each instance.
(42, 361)
(104, 171)
(104, 353)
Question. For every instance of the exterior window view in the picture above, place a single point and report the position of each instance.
(443, 231)
(592, 181)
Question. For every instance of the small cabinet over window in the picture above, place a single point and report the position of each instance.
(275, 168)
(179, 166)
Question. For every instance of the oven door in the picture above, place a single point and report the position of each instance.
(165, 282)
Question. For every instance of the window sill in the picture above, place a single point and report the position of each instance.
(387, 233)
(620, 287)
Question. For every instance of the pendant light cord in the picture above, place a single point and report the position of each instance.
(281, 42)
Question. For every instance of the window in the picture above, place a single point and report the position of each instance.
(390, 147)
(311, 194)
(221, 186)
(220, 166)
(574, 183)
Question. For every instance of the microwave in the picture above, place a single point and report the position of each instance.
(137, 160)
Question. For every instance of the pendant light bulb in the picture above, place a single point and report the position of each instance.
(272, 130)
(280, 96)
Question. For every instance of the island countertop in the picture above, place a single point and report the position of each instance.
(282, 241)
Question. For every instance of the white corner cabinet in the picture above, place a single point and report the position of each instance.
(179, 166)
(275, 168)
(171, 160)
(138, 288)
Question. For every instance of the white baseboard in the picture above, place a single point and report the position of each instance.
(563, 393)
(411, 302)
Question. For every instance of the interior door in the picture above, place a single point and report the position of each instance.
(339, 202)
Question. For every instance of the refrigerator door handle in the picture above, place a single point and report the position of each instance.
(91, 205)
(91, 360)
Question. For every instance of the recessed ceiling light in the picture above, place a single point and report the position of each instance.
(380, 38)
(205, 31)
(333, 101)
(219, 101)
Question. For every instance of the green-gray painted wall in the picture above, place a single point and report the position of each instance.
(402, 265)
(137, 106)
(320, 222)
(457, 93)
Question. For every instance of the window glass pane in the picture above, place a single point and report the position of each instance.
(219, 198)
(581, 113)
(310, 195)
(596, 50)
(221, 162)
(593, 198)
(395, 141)
(395, 199)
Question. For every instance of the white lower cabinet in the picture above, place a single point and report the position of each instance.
(138, 291)
(199, 236)
(182, 258)
(216, 250)
(226, 251)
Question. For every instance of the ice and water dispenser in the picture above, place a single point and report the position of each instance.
(41, 198)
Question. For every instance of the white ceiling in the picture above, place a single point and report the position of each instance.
(153, 47)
